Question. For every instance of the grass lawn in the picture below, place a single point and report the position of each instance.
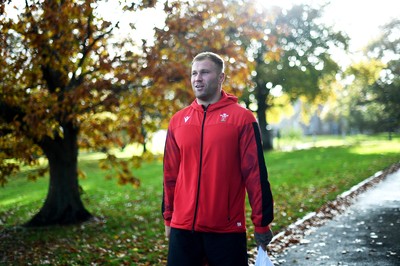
(129, 229)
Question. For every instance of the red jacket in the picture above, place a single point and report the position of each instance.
(212, 156)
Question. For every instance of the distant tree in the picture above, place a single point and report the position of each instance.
(363, 111)
(386, 90)
(373, 95)
(62, 88)
(299, 64)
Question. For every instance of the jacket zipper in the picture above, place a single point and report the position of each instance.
(200, 166)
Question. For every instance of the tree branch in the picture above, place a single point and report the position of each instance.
(76, 81)
(10, 113)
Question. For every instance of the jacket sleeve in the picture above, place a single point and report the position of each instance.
(170, 171)
(254, 172)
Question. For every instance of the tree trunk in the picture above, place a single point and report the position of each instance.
(266, 135)
(63, 204)
(261, 94)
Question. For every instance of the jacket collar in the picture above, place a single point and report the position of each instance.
(226, 99)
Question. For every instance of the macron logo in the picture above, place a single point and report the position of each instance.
(186, 118)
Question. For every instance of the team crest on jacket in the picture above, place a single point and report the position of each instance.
(223, 116)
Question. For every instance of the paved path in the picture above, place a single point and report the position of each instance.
(367, 233)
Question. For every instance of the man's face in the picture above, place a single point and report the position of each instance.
(206, 81)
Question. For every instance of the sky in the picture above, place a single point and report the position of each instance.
(360, 19)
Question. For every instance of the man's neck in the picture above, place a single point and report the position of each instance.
(211, 101)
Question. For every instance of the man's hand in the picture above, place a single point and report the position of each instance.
(167, 231)
(263, 239)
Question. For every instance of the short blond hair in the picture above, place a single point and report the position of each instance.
(216, 59)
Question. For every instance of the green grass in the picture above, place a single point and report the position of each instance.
(129, 228)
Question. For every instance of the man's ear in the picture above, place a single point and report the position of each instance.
(221, 77)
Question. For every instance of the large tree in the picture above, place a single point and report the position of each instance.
(386, 90)
(264, 49)
(193, 27)
(302, 62)
(62, 88)
(373, 95)
(362, 111)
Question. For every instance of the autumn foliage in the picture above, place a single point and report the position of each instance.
(64, 88)
(68, 85)
(217, 26)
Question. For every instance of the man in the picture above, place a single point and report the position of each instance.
(213, 154)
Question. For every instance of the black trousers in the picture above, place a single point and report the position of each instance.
(187, 248)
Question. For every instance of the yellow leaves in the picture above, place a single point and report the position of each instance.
(81, 174)
(366, 72)
(36, 173)
(282, 108)
(104, 165)
(121, 169)
(272, 55)
(7, 169)
(124, 179)
(54, 129)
